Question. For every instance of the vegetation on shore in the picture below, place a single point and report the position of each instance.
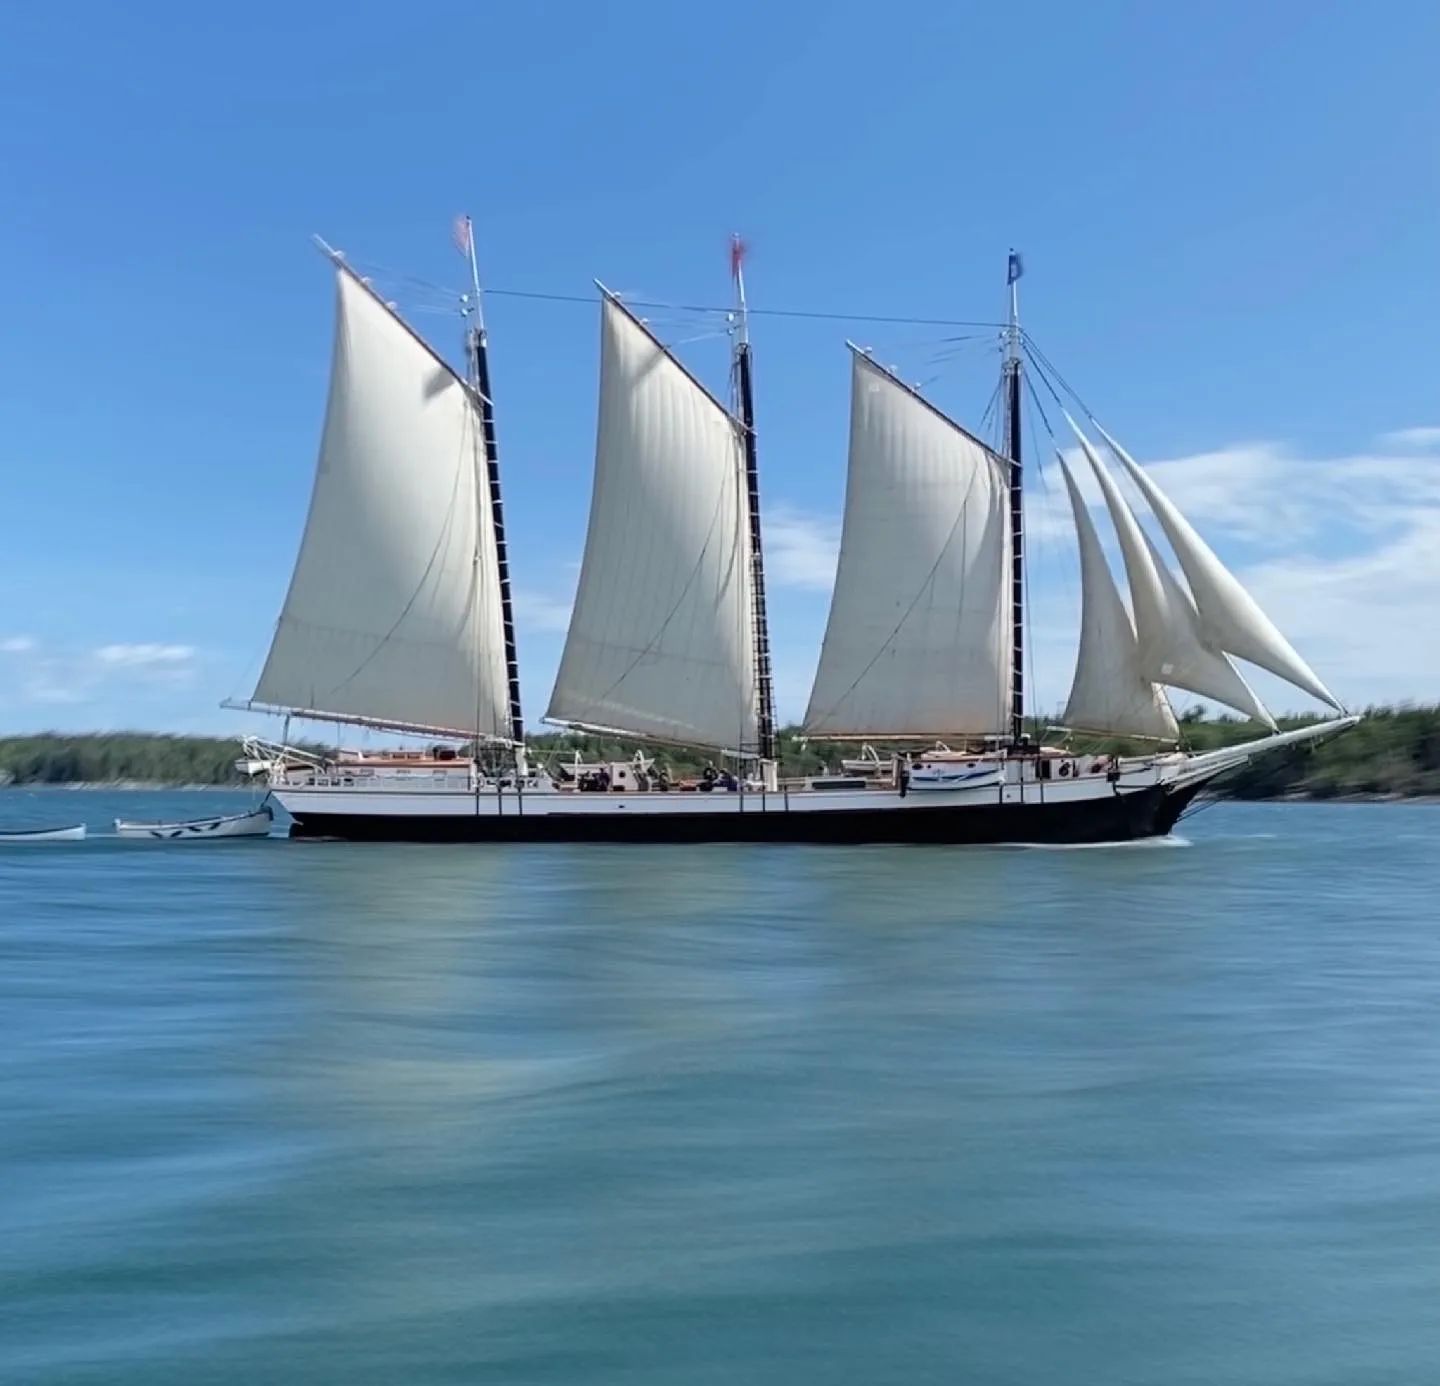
(1394, 751)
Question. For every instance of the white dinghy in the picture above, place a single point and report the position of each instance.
(255, 824)
(75, 833)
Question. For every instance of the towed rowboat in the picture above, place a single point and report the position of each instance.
(71, 834)
(256, 824)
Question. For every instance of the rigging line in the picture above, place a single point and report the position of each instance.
(754, 312)
(989, 417)
(725, 311)
(1039, 408)
(1045, 380)
(1037, 357)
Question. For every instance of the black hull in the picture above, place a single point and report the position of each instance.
(1120, 818)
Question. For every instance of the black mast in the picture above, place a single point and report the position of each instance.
(479, 351)
(1017, 507)
(763, 679)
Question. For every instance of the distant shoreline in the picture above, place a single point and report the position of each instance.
(61, 786)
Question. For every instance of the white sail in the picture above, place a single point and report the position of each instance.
(662, 639)
(1172, 649)
(1230, 618)
(919, 637)
(1110, 692)
(393, 614)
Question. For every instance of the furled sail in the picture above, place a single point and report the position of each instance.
(1110, 692)
(918, 640)
(1172, 649)
(393, 616)
(1230, 618)
(661, 642)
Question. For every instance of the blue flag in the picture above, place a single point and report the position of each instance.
(1017, 268)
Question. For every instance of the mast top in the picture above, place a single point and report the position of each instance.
(472, 304)
(737, 273)
(1014, 268)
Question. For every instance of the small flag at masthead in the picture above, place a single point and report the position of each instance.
(462, 233)
(737, 254)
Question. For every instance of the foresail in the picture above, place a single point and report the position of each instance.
(1167, 626)
(918, 639)
(661, 642)
(1230, 618)
(393, 613)
(1110, 692)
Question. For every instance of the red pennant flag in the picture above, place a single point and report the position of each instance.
(737, 254)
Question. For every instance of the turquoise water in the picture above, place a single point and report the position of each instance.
(305, 1112)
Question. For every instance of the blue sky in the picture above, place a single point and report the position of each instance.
(1229, 215)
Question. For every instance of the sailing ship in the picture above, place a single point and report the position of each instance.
(399, 617)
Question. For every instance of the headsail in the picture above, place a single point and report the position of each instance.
(1167, 625)
(661, 642)
(1110, 692)
(918, 639)
(1230, 618)
(393, 616)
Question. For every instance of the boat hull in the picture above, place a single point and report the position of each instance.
(1148, 812)
(234, 825)
(70, 834)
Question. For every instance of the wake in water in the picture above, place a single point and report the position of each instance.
(1140, 844)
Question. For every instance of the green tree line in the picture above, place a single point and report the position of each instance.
(52, 758)
(1395, 750)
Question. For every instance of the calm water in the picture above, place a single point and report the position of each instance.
(300, 1113)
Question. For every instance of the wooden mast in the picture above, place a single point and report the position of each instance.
(1014, 270)
(764, 680)
(477, 350)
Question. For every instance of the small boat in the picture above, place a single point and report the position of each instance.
(255, 824)
(71, 834)
(867, 763)
(974, 776)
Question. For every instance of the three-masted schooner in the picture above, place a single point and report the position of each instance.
(399, 617)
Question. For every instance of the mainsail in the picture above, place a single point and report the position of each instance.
(1172, 649)
(662, 642)
(1230, 618)
(393, 617)
(1110, 692)
(918, 639)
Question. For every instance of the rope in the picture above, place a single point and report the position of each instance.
(535, 295)
(1046, 368)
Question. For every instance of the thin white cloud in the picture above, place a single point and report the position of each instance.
(538, 612)
(801, 549)
(126, 674)
(42, 691)
(144, 655)
(1425, 437)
